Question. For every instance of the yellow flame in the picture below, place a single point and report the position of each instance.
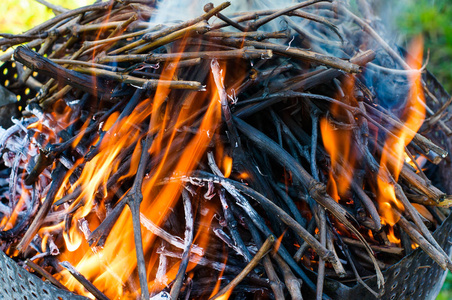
(392, 157)
(391, 236)
(113, 266)
(227, 165)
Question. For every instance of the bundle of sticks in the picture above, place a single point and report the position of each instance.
(259, 153)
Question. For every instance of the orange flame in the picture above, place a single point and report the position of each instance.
(392, 157)
(338, 143)
(278, 241)
(111, 269)
(391, 236)
(227, 165)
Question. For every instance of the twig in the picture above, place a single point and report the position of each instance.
(175, 290)
(315, 189)
(293, 284)
(209, 6)
(245, 53)
(438, 257)
(299, 54)
(85, 282)
(41, 271)
(142, 83)
(249, 267)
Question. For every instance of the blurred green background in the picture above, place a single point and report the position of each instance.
(19, 15)
(432, 18)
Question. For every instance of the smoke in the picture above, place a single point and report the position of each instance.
(173, 11)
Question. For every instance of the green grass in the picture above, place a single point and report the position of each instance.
(432, 19)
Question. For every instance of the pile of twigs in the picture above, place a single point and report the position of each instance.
(261, 139)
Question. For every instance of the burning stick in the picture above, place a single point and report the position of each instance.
(134, 198)
(41, 271)
(85, 282)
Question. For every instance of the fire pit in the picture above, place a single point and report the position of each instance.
(260, 152)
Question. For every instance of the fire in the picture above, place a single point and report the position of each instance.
(338, 143)
(393, 155)
(112, 267)
(278, 241)
(227, 165)
(391, 236)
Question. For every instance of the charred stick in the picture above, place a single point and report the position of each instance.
(321, 268)
(296, 53)
(314, 188)
(314, 136)
(41, 271)
(175, 290)
(352, 264)
(140, 82)
(377, 248)
(256, 24)
(200, 28)
(303, 247)
(134, 197)
(232, 226)
(422, 141)
(255, 35)
(275, 284)
(320, 212)
(289, 202)
(230, 186)
(233, 187)
(249, 267)
(209, 6)
(202, 261)
(245, 53)
(260, 223)
(338, 267)
(57, 180)
(100, 234)
(368, 204)
(83, 281)
(170, 239)
(428, 248)
(48, 43)
(418, 221)
(293, 284)
(326, 75)
(39, 63)
(232, 223)
(226, 111)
